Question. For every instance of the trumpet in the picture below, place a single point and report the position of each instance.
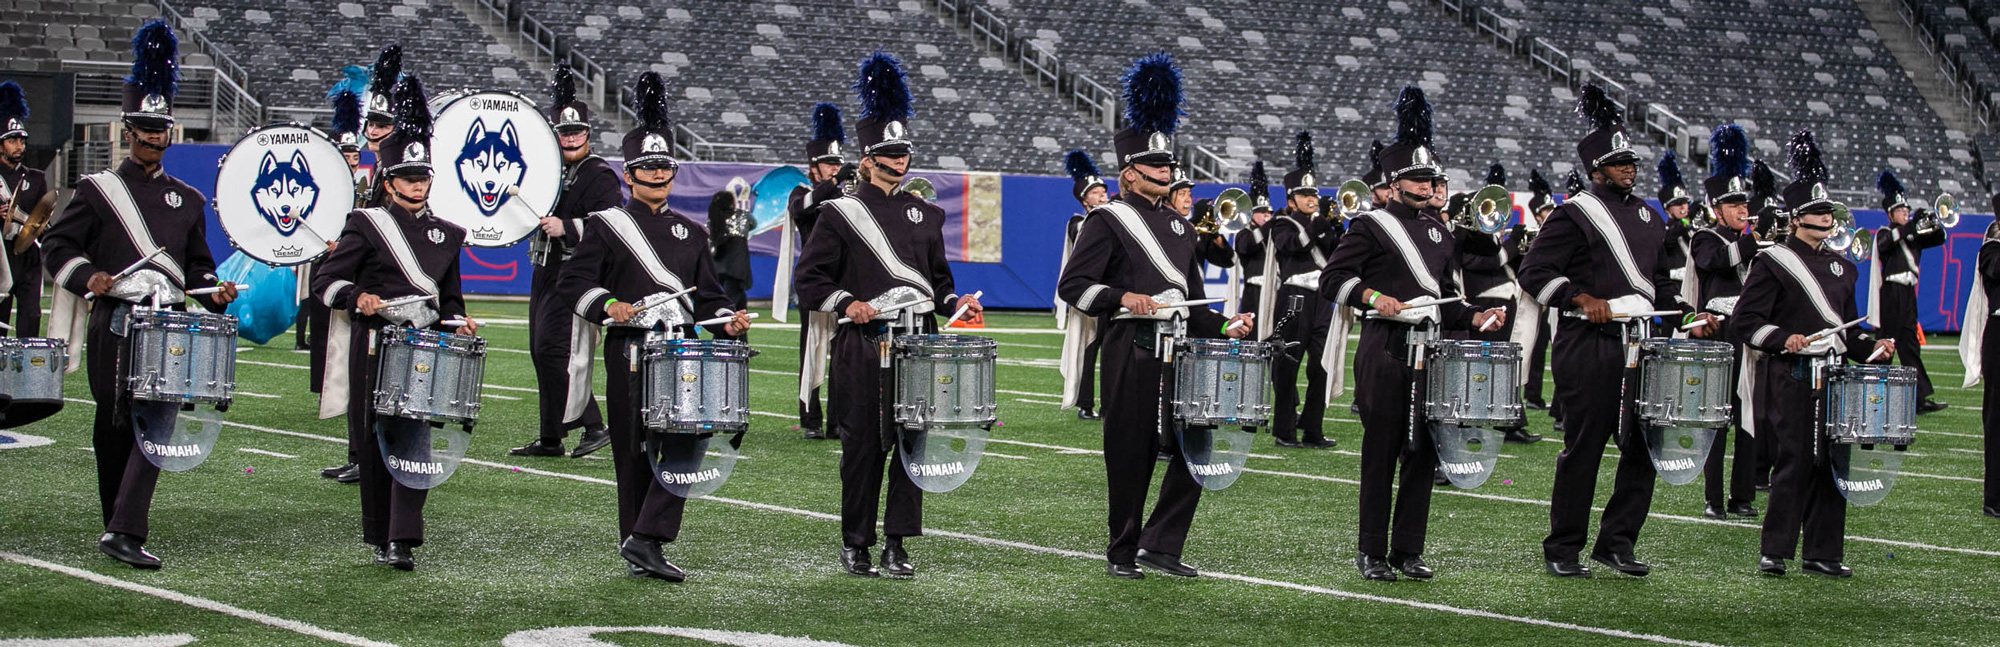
(1943, 214)
(1230, 215)
(1488, 211)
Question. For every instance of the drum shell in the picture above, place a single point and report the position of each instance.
(1473, 383)
(1222, 382)
(945, 380)
(182, 356)
(695, 386)
(31, 369)
(1871, 404)
(429, 375)
(1686, 383)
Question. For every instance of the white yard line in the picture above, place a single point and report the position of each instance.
(1047, 402)
(206, 604)
(1968, 451)
(165, 640)
(272, 364)
(266, 396)
(262, 452)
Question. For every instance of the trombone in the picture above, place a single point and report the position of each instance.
(1230, 215)
(1489, 210)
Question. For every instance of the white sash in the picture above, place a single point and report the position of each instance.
(1399, 236)
(1061, 309)
(871, 235)
(1600, 218)
(333, 389)
(626, 230)
(1134, 225)
(133, 222)
(1267, 293)
(1972, 331)
(817, 350)
(1793, 265)
(1875, 287)
(399, 249)
(582, 342)
(1081, 331)
(1334, 356)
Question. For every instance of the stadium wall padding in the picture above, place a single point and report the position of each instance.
(1034, 210)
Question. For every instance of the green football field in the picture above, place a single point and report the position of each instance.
(260, 550)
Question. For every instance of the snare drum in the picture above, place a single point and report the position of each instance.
(1472, 383)
(1868, 404)
(945, 380)
(1222, 382)
(429, 375)
(31, 376)
(1686, 383)
(696, 386)
(182, 356)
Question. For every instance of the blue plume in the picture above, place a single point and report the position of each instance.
(413, 110)
(1153, 94)
(562, 88)
(1539, 185)
(883, 88)
(1496, 175)
(13, 102)
(826, 123)
(1596, 107)
(1413, 117)
(388, 68)
(1806, 164)
(649, 99)
(347, 112)
(156, 60)
(354, 78)
(1670, 171)
(1728, 152)
(1886, 183)
(1079, 165)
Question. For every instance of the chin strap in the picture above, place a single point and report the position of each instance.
(650, 185)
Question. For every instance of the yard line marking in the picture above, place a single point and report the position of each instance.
(1968, 451)
(1037, 394)
(1079, 450)
(1948, 433)
(765, 372)
(272, 364)
(1021, 458)
(266, 396)
(1052, 404)
(511, 388)
(1941, 476)
(259, 451)
(497, 396)
(293, 626)
(167, 640)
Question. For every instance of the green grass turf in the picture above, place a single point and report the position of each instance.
(510, 551)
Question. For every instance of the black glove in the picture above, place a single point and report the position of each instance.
(846, 173)
(1765, 221)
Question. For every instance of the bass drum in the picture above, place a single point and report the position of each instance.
(282, 192)
(497, 169)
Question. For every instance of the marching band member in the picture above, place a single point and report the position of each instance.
(399, 249)
(1080, 339)
(117, 218)
(1602, 253)
(377, 125)
(25, 196)
(560, 341)
(868, 246)
(1791, 292)
(1300, 242)
(1675, 204)
(1533, 328)
(1892, 280)
(730, 247)
(1488, 266)
(1720, 255)
(309, 334)
(627, 254)
(1132, 253)
(1977, 347)
(828, 171)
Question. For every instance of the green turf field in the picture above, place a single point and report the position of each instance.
(260, 550)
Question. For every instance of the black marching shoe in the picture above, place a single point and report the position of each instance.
(334, 472)
(1772, 566)
(1322, 443)
(1535, 405)
(592, 440)
(1374, 569)
(1992, 512)
(1439, 479)
(1168, 564)
(1714, 511)
(896, 561)
(855, 562)
(381, 555)
(1626, 564)
(128, 549)
(1087, 414)
(541, 447)
(351, 476)
(400, 557)
(1124, 571)
(1411, 566)
(1354, 408)
(1521, 437)
(1826, 568)
(1287, 444)
(1763, 486)
(1558, 425)
(1742, 509)
(1567, 568)
(813, 433)
(1930, 406)
(644, 554)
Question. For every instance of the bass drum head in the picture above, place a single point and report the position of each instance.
(282, 193)
(496, 167)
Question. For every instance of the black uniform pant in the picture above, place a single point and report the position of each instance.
(313, 316)
(1382, 389)
(390, 511)
(1803, 495)
(864, 454)
(1086, 384)
(645, 507)
(1899, 322)
(551, 345)
(1989, 412)
(1132, 410)
(1590, 371)
(1308, 330)
(810, 416)
(125, 479)
(1742, 488)
(24, 302)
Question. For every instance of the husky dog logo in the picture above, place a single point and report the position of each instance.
(285, 191)
(489, 164)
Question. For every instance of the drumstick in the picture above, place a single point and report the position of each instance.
(202, 291)
(1825, 333)
(649, 302)
(961, 310)
(1644, 315)
(1697, 324)
(1879, 353)
(1490, 324)
(722, 320)
(129, 269)
(456, 323)
(1419, 302)
(1178, 304)
(894, 308)
(400, 301)
(1233, 325)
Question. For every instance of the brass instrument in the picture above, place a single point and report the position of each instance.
(1352, 198)
(1488, 211)
(1843, 229)
(919, 187)
(1230, 215)
(37, 218)
(1862, 248)
(1701, 216)
(1943, 214)
(1781, 224)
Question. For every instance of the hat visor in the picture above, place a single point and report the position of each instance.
(408, 169)
(572, 127)
(1620, 157)
(1732, 198)
(828, 159)
(1153, 158)
(893, 148)
(1422, 173)
(652, 161)
(149, 122)
(1304, 190)
(1815, 207)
